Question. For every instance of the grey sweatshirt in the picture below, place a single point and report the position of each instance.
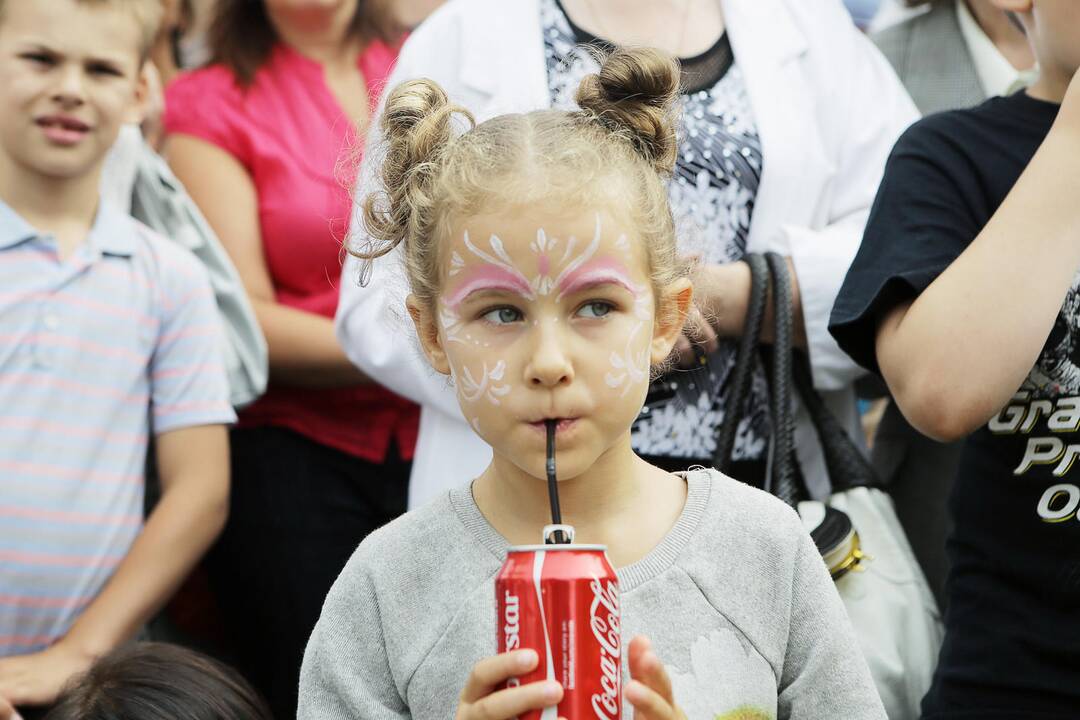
(736, 600)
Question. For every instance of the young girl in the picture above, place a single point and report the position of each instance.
(541, 255)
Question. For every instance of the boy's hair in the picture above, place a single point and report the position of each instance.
(617, 149)
(148, 13)
(157, 681)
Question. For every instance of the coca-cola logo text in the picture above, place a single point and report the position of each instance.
(511, 627)
(511, 621)
(604, 622)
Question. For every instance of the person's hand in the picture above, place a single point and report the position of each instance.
(37, 679)
(649, 690)
(481, 699)
(697, 341)
(7, 712)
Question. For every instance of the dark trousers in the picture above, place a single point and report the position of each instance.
(298, 511)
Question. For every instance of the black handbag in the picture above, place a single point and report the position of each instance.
(886, 596)
(789, 371)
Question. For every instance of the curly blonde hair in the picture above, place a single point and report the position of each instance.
(618, 148)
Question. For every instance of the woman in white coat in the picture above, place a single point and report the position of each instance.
(789, 115)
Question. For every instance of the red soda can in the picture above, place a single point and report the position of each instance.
(563, 602)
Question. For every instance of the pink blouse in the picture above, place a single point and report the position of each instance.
(301, 150)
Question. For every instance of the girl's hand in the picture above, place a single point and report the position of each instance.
(650, 689)
(482, 700)
(38, 678)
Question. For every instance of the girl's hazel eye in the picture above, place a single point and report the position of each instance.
(595, 309)
(502, 316)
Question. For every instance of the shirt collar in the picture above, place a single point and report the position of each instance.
(13, 229)
(111, 234)
(996, 74)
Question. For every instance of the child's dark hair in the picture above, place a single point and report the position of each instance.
(157, 681)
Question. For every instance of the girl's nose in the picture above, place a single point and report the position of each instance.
(550, 364)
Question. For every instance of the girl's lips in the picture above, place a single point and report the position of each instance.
(563, 425)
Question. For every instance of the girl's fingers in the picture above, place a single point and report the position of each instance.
(645, 667)
(491, 672)
(512, 702)
(648, 705)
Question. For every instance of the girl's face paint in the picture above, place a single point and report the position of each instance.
(548, 315)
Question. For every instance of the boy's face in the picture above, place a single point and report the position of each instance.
(1053, 28)
(548, 315)
(69, 77)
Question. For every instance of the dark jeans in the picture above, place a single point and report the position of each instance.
(298, 511)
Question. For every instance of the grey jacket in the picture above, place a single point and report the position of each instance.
(137, 178)
(932, 59)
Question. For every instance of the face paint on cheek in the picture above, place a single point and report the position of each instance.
(489, 386)
(451, 325)
(631, 367)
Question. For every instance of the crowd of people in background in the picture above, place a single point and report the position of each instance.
(235, 343)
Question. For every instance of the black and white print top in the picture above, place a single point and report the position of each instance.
(712, 198)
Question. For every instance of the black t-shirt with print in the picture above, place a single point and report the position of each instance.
(1012, 646)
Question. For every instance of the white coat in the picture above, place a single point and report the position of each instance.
(828, 109)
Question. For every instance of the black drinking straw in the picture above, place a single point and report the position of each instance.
(553, 487)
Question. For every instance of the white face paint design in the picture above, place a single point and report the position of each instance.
(535, 292)
(456, 263)
(543, 246)
(632, 366)
(487, 387)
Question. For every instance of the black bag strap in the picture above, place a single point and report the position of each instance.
(846, 464)
(785, 482)
(742, 374)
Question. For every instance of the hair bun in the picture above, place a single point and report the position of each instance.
(418, 125)
(637, 91)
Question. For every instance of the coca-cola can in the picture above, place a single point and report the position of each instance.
(563, 602)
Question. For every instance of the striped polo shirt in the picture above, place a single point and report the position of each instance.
(97, 351)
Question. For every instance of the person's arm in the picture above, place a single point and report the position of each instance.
(193, 465)
(303, 350)
(824, 674)
(162, 202)
(863, 109)
(953, 356)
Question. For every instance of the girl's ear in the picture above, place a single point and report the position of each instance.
(672, 306)
(427, 329)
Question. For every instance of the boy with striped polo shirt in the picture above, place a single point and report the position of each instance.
(108, 333)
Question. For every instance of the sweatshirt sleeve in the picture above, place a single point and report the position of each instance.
(346, 671)
(824, 674)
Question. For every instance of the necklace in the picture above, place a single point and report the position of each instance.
(602, 28)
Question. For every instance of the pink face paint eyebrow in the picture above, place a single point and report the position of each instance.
(598, 272)
(489, 278)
